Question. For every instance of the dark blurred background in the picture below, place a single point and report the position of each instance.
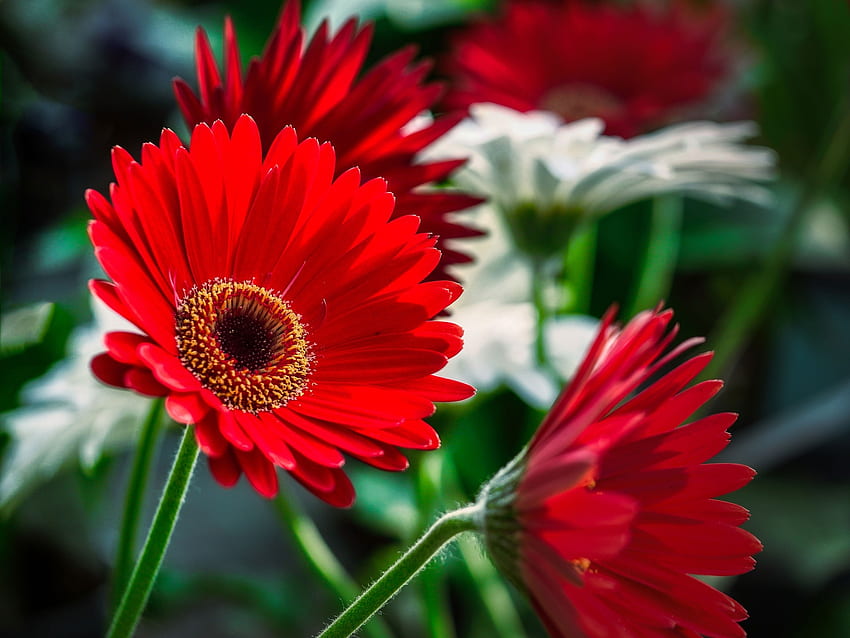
(79, 76)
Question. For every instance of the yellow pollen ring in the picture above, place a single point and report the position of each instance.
(243, 343)
(582, 564)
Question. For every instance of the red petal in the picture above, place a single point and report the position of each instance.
(168, 369)
(441, 389)
(186, 408)
(210, 440)
(329, 484)
(109, 370)
(143, 382)
(233, 432)
(122, 346)
(225, 468)
(259, 471)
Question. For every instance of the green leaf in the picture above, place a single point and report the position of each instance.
(386, 502)
(31, 340)
(803, 525)
(25, 327)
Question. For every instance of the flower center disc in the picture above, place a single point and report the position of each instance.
(244, 344)
(577, 100)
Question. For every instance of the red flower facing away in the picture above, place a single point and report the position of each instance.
(317, 87)
(281, 310)
(631, 66)
(611, 507)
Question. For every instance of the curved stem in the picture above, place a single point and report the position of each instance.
(659, 258)
(392, 580)
(133, 501)
(138, 589)
(321, 558)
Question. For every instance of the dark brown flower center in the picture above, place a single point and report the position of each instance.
(244, 343)
(246, 339)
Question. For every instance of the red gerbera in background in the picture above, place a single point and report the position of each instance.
(632, 66)
(318, 89)
(280, 309)
(610, 508)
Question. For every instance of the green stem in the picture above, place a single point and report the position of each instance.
(579, 266)
(438, 617)
(432, 582)
(538, 288)
(321, 558)
(659, 258)
(392, 580)
(138, 589)
(266, 598)
(490, 586)
(735, 328)
(133, 500)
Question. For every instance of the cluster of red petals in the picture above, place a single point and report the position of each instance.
(634, 66)
(616, 505)
(222, 210)
(318, 89)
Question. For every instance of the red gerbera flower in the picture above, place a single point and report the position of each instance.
(281, 311)
(318, 89)
(611, 506)
(631, 66)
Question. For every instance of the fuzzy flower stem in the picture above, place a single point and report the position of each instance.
(735, 328)
(138, 590)
(133, 501)
(391, 581)
(659, 258)
(321, 558)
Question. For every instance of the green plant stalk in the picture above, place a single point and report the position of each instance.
(432, 582)
(735, 328)
(391, 581)
(438, 617)
(490, 586)
(488, 583)
(266, 598)
(538, 285)
(133, 501)
(141, 581)
(659, 258)
(322, 560)
(579, 265)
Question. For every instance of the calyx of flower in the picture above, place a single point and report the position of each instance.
(498, 523)
(542, 232)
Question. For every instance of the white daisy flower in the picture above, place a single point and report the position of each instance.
(545, 176)
(68, 414)
(500, 322)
